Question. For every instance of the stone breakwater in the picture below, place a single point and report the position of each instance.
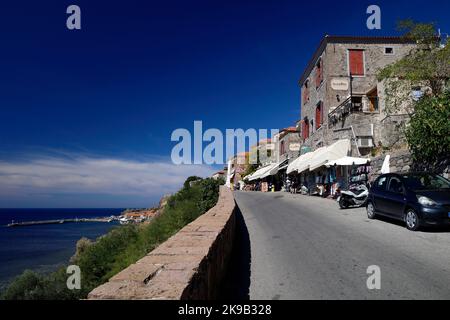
(60, 221)
(189, 265)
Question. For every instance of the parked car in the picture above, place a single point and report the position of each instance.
(418, 199)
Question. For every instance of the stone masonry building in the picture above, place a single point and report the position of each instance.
(341, 97)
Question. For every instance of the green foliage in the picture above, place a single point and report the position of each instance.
(428, 64)
(119, 248)
(251, 168)
(424, 33)
(189, 180)
(428, 67)
(428, 133)
(33, 286)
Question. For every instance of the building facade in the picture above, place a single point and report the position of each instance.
(287, 145)
(341, 97)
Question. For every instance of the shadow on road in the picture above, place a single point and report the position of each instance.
(236, 284)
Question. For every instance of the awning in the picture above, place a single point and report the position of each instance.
(301, 163)
(336, 151)
(272, 170)
(292, 165)
(260, 172)
(276, 167)
(348, 161)
(306, 161)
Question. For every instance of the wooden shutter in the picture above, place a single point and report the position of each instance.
(321, 113)
(318, 116)
(319, 73)
(306, 92)
(356, 62)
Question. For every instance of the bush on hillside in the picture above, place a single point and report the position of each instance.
(119, 248)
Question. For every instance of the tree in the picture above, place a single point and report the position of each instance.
(189, 180)
(428, 133)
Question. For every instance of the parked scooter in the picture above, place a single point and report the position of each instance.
(355, 197)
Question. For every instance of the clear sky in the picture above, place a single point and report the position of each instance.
(86, 115)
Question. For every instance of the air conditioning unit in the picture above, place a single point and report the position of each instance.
(365, 143)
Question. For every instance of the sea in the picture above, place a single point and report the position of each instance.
(45, 248)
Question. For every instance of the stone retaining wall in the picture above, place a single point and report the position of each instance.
(400, 161)
(189, 265)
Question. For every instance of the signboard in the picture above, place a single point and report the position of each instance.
(294, 147)
(340, 84)
(264, 187)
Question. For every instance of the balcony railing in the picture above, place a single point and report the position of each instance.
(349, 106)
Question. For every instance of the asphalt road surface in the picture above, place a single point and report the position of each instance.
(304, 247)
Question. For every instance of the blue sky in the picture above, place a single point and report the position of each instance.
(86, 116)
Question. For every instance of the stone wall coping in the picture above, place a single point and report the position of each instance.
(181, 267)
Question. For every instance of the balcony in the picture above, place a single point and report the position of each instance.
(355, 104)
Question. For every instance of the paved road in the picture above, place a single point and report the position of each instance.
(306, 248)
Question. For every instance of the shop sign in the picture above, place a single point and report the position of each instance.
(339, 84)
(294, 147)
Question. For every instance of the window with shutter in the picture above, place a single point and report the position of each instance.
(319, 115)
(306, 92)
(319, 73)
(305, 127)
(356, 62)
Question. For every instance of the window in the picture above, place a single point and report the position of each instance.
(389, 51)
(306, 92)
(319, 115)
(426, 181)
(319, 73)
(395, 185)
(305, 129)
(282, 148)
(356, 62)
(381, 183)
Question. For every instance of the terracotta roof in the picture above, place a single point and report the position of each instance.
(265, 141)
(349, 39)
(290, 129)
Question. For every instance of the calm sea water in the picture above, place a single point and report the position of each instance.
(44, 248)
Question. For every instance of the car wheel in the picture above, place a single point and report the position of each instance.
(370, 211)
(343, 203)
(412, 220)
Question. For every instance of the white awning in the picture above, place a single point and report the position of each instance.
(292, 166)
(322, 156)
(260, 172)
(303, 165)
(272, 170)
(276, 167)
(300, 164)
(348, 161)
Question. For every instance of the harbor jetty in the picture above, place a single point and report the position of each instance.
(59, 221)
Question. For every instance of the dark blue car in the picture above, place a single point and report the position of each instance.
(418, 199)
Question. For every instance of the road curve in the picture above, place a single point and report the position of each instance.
(306, 248)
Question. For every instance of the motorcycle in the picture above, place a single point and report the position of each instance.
(355, 197)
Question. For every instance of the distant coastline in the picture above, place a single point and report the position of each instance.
(46, 247)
